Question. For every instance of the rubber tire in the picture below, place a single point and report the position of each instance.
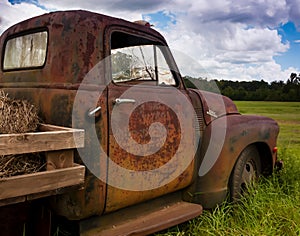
(246, 170)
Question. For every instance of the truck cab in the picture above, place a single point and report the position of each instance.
(152, 145)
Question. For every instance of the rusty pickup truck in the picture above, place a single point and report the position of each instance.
(155, 152)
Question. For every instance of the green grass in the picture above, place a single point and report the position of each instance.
(273, 206)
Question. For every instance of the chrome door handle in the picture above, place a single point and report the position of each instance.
(92, 112)
(124, 100)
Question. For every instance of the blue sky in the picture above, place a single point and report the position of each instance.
(160, 19)
(234, 40)
(287, 31)
(34, 2)
(289, 35)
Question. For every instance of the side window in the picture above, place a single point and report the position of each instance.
(26, 51)
(135, 60)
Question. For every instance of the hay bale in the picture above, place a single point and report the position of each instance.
(17, 116)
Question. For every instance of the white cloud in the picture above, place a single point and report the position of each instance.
(227, 39)
(262, 13)
(129, 9)
(12, 14)
(112, 5)
(226, 51)
(294, 12)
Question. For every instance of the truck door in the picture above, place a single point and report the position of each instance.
(151, 123)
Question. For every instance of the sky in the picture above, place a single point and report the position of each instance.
(215, 39)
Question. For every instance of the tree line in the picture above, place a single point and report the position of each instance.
(251, 91)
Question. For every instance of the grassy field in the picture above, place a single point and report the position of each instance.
(271, 208)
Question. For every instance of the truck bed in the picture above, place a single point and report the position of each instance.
(61, 173)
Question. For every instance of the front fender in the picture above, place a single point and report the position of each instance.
(223, 141)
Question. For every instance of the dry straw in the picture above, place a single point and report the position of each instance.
(12, 165)
(18, 116)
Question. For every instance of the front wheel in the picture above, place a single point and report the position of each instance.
(246, 170)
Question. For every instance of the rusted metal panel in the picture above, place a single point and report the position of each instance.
(140, 120)
(91, 200)
(215, 105)
(241, 131)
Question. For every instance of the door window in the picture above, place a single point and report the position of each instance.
(137, 60)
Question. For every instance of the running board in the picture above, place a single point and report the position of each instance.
(142, 219)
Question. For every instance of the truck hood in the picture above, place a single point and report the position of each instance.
(215, 105)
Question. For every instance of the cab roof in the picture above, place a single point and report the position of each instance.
(77, 41)
(70, 19)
